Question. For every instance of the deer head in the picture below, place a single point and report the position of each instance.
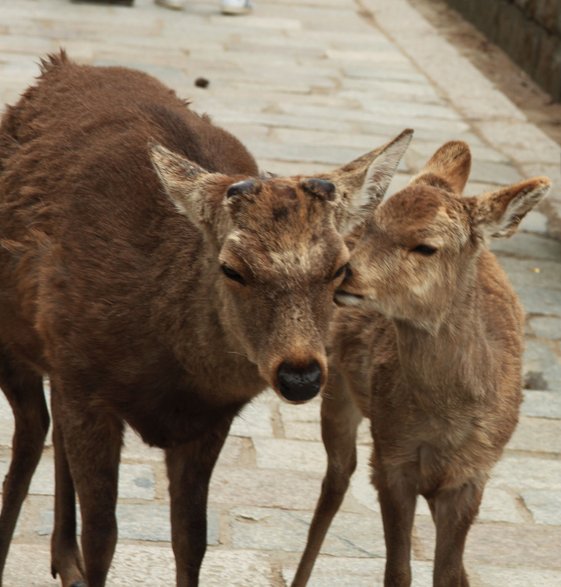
(417, 252)
(278, 255)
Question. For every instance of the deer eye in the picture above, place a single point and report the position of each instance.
(426, 250)
(232, 274)
(343, 270)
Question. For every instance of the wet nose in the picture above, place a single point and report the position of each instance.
(299, 383)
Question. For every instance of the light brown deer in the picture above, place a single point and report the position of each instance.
(163, 291)
(429, 349)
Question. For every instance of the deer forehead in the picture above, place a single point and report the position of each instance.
(303, 258)
(282, 206)
(421, 216)
(285, 254)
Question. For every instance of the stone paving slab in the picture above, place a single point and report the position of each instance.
(142, 564)
(308, 85)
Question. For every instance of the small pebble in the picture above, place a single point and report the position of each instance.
(202, 82)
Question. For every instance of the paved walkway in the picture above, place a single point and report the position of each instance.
(309, 84)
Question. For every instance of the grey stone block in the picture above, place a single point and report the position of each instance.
(354, 572)
(526, 245)
(522, 576)
(542, 404)
(146, 522)
(539, 300)
(349, 535)
(540, 435)
(544, 505)
(546, 326)
(526, 472)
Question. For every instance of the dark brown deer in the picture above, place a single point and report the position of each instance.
(429, 350)
(161, 286)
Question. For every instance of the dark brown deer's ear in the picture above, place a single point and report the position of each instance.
(498, 214)
(185, 182)
(448, 168)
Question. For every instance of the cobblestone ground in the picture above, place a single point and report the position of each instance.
(309, 84)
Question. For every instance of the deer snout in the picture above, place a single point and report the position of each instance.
(299, 383)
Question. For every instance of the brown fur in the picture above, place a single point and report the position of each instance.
(111, 283)
(430, 351)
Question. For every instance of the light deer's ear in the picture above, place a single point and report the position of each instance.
(498, 214)
(362, 183)
(448, 168)
(185, 182)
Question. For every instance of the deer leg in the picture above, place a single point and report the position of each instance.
(93, 445)
(66, 559)
(397, 502)
(189, 468)
(454, 513)
(24, 390)
(340, 418)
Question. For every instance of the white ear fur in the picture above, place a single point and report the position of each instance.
(499, 213)
(381, 171)
(182, 180)
(366, 180)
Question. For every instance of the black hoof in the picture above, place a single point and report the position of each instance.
(79, 583)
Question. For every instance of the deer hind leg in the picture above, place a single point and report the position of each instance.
(340, 418)
(454, 511)
(398, 496)
(189, 468)
(66, 559)
(92, 441)
(24, 390)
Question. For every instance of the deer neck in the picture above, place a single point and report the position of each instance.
(455, 357)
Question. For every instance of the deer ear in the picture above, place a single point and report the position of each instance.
(185, 182)
(448, 168)
(362, 183)
(499, 213)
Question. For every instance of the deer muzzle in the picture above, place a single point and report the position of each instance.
(299, 383)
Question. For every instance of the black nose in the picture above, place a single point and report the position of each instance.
(299, 383)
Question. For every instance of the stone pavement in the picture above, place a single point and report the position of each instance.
(309, 84)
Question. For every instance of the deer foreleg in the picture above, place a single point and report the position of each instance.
(339, 422)
(189, 469)
(66, 559)
(93, 445)
(454, 512)
(397, 501)
(24, 390)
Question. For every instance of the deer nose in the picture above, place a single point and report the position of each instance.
(299, 383)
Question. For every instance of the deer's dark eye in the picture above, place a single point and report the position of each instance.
(425, 250)
(232, 274)
(343, 270)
